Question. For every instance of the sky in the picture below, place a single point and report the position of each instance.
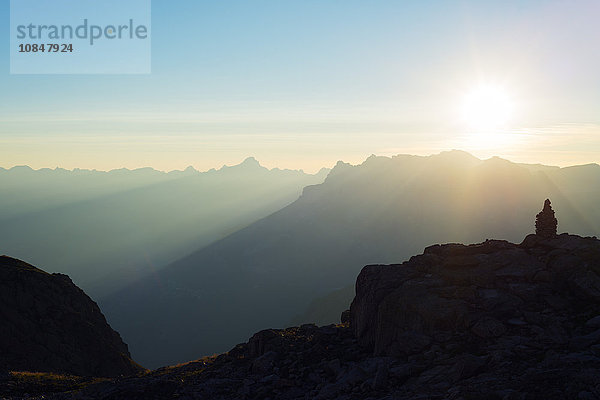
(302, 84)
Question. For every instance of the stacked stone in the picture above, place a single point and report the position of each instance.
(545, 222)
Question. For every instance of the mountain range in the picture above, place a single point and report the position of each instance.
(306, 255)
(106, 229)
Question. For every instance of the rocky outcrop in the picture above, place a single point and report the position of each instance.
(50, 325)
(494, 320)
(485, 291)
(507, 308)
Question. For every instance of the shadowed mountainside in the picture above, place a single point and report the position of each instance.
(380, 211)
(50, 325)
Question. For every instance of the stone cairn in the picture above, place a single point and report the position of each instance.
(545, 222)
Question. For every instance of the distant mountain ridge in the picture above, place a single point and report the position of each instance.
(250, 160)
(20, 180)
(380, 211)
(107, 228)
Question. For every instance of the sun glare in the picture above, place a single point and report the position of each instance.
(487, 107)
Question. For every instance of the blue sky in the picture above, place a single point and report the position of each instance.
(301, 84)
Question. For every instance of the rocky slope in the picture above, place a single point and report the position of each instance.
(494, 320)
(49, 324)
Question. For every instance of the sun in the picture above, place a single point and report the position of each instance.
(487, 107)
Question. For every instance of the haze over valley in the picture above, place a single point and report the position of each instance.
(105, 229)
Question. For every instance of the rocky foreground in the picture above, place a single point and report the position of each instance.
(494, 320)
(49, 324)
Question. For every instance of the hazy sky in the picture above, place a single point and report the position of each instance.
(302, 84)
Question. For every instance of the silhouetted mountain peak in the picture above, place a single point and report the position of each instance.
(373, 160)
(250, 161)
(586, 167)
(21, 168)
(339, 167)
(249, 164)
(457, 156)
(498, 160)
(323, 172)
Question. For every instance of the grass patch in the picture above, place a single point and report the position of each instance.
(44, 382)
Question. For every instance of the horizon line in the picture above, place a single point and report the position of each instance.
(252, 159)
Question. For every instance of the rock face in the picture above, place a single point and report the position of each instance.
(50, 325)
(527, 307)
(545, 221)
